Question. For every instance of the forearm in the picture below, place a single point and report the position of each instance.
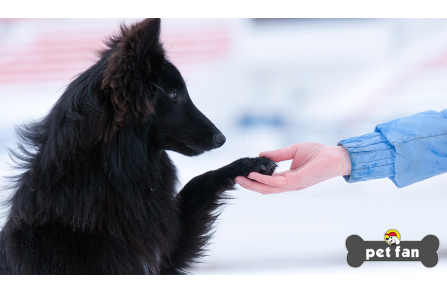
(371, 157)
(197, 206)
(406, 150)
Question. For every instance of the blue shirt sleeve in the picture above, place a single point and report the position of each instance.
(406, 150)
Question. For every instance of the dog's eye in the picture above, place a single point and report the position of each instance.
(173, 95)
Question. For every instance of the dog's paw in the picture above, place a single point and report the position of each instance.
(225, 176)
(245, 166)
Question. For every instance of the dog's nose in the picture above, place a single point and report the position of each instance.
(220, 139)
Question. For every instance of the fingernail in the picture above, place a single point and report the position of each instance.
(238, 182)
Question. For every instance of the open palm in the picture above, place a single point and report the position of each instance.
(312, 163)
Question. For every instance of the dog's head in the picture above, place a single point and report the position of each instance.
(392, 240)
(142, 90)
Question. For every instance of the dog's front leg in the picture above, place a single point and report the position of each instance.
(197, 204)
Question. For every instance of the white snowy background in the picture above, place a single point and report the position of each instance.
(267, 84)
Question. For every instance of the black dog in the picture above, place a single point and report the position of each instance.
(97, 195)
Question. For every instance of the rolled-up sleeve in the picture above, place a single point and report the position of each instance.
(406, 150)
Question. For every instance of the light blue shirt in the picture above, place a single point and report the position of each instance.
(406, 150)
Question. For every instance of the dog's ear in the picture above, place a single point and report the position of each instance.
(134, 60)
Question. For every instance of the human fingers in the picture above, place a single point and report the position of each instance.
(282, 154)
(279, 181)
(258, 187)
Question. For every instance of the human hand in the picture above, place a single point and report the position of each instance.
(312, 163)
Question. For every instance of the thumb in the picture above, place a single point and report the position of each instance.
(283, 154)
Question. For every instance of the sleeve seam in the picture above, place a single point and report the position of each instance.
(420, 138)
(372, 151)
(356, 147)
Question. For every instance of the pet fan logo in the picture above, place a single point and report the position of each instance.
(392, 249)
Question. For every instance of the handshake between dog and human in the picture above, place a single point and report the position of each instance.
(97, 194)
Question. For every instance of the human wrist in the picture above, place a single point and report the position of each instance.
(343, 160)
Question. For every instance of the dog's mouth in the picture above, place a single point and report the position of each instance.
(187, 149)
(195, 147)
(190, 150)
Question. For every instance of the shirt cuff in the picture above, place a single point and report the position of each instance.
(372, 157)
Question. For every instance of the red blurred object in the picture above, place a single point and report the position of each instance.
(61, 55)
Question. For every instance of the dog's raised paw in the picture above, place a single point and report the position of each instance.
(261, 165)
(266, 166)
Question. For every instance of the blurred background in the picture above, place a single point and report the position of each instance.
(266, 84)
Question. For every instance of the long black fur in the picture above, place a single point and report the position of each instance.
(98, 191)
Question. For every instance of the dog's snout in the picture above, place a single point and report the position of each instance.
(220, 139)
